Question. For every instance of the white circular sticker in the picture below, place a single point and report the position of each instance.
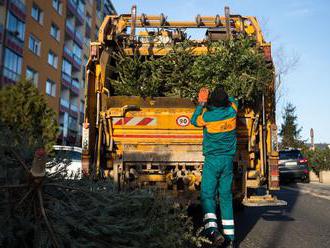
(183, 121)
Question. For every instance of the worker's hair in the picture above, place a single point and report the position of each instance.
(219, 97)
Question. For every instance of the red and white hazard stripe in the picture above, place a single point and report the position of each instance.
(135, 121)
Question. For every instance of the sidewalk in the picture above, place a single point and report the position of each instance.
(314, 188)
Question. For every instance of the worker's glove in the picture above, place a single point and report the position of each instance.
(203, 95)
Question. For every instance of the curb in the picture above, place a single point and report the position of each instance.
(310, 192)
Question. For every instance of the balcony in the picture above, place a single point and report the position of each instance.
(77, 59)
(74, 110)
(9, 76)
(79, 39)
(73, 107)
(66, 79)
(81, 15)
(1, 32)
(99, 14)
(76, 62)
(73, 126)
(18, 8)
(13, 42)
(68, 54)
(87, 43)
(69, 28)
(73, 8)
(64, 105)
(75, 86)
(88, 31)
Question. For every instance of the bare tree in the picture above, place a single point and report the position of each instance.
(284, 63)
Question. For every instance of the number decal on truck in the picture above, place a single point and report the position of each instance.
(183, 121)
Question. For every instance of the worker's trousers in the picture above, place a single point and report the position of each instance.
(217, 178)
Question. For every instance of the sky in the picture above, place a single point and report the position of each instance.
(298, 30)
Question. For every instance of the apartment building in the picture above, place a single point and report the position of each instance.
(47, 42)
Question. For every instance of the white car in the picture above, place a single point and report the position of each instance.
(69, 157)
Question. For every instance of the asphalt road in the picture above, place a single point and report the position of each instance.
(303, 223)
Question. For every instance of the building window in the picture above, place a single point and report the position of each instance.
(50, 88)
(55, 32)
(52, 59)
(81, 7)
(12, 65)
(77, 50)
(57, 5)
(37, 13)
(66, 67)
(34, 45)
(32, 76)
(16, 26)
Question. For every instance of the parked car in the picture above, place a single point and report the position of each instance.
(293, 166)
(66, 156)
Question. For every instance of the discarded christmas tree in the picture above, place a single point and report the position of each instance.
(237, 64)
(42, 209)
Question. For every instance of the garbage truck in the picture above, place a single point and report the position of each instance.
(150, 142)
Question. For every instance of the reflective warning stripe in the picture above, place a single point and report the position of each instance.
(211, 224)
(135, 121)
(228, 231)
(228, 222)
(210, 216)
(234, 106)
(221, 126)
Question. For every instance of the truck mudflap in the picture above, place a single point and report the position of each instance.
(263, 201)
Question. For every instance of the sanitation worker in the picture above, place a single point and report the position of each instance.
(217, 115)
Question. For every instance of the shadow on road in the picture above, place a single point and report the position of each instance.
(246, 219)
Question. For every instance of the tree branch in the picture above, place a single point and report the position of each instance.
(14, 186)
(23, 198)
(49, 227)
(21, 161)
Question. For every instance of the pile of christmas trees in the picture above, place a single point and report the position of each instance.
(40, 209)
(238, 64)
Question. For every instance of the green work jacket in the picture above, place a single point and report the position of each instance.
(219, 128)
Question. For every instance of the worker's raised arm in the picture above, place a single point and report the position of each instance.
(197, 118)
(234, 103)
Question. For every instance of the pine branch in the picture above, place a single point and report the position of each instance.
(48, 225)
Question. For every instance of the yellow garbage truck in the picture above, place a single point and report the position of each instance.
(150, 142)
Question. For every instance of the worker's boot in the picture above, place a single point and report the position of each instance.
(217, 239)
(232, 244)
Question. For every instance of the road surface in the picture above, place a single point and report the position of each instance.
(304, 223)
